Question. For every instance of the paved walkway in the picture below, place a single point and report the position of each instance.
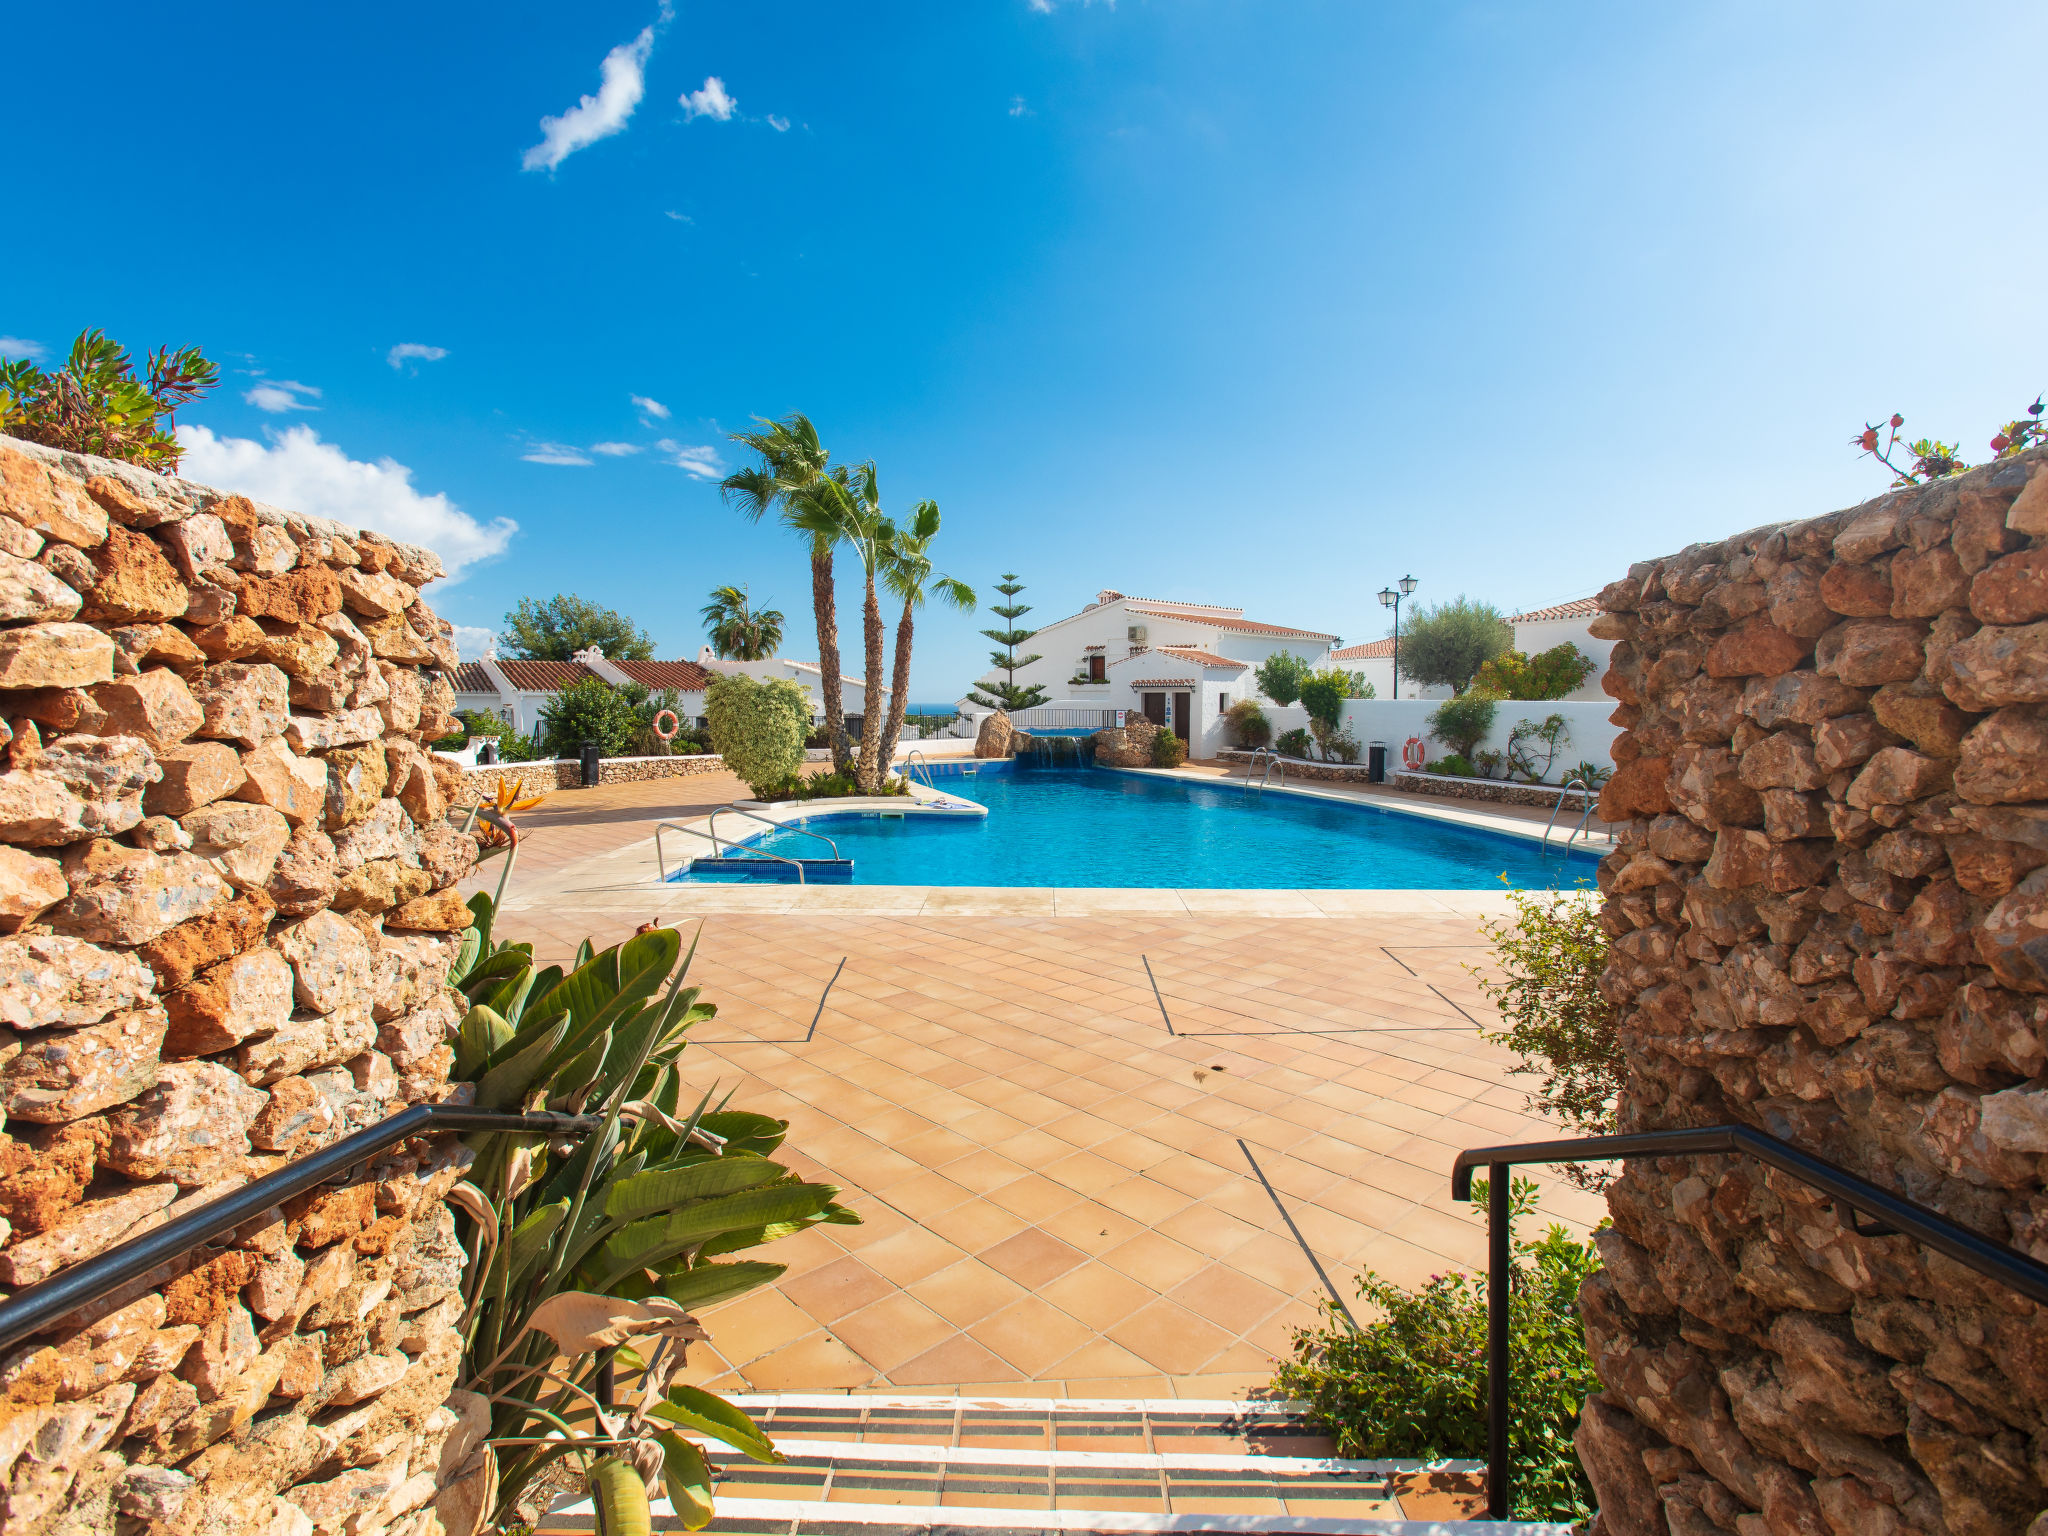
(1115, 1152)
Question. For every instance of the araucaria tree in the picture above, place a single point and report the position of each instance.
(793, 463)
(907, 572)
(1445, 646)
(1006, 695)
(557, 629)
(738, 630)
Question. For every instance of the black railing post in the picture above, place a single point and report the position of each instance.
(1499, 1249)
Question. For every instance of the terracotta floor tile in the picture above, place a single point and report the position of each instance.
(1276, 1261)
(893, 1330)
(1169, 1337)
(757, 1324)
(976, 1226)
(816, 1363)
(966, 1292)
(1097, 1294)
(1222, 1293)
(1143, 1201)
(1032, 1257)
(1156, 1261)
(1033, 1197)
(833, 1290)
(910, 1255)
(1092, 1228)
(1207, 1230)
(960, 1359)
(1031, 1334)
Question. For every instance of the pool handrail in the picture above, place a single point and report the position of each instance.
(660, 859)
(773, 826)
(1251, 763)
(914, 761)
(1276, 761)
(1563, 790)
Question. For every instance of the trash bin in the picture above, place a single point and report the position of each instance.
(593, 764)
(486, 752)
(1376, 762)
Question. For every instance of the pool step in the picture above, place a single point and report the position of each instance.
(776, 871)
(922, 1466)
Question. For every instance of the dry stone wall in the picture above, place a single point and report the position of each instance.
(1829, 915)
(227, 895)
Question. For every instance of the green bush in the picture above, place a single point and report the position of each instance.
(1457, 765)
(1595, 774)
(590, 709)
(1280, 677)
(1323, 695)
(840, 786)
(94, 403)
(1247, 724)
(1533, 746)
(1550, 958)
(1294, 743)
(757, 726)
(1168, 750)
(1550, 674)
(1462, 723)
(1413, 1382)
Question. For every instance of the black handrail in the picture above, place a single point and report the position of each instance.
(1851, 1194)
(29, 1311)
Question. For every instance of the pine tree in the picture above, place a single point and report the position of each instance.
(1006, 695)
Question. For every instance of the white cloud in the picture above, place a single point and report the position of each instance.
(779, 124)
(649, 408)
(556, 453)
(297, 471)
(281, 395)
(20, 346)
(473, 641)
(698, 463)
(623, 80)
(416, 350)
(711, 101)
(1043, 7)
(680, 218)
(1018, 109)
(615, 450)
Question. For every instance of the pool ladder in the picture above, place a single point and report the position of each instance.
(1584, 820)
(915, 762)
(1273, 761)
(717, 850)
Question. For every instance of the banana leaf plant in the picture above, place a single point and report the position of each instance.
(588, 1256)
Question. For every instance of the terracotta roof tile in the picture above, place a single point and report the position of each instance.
(1205, 658)
(1371, 650)
(683, 676)
(1579, 608)
(1226, 621)
(543, 676)
(1162, 682)
(471, 677)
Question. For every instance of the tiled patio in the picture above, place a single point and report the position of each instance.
(1060, 1196)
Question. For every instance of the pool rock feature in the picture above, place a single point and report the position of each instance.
(182, 1010)
(1126, 746)
(996, 736)
(1829, 920)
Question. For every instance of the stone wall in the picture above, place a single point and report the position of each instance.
(1829, 917)
(567, 772)
(228, 893)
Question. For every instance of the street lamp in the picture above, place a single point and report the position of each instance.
(1389, 598)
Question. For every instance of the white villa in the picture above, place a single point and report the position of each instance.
(1535, 631)
(516, 691)
(1178, 664)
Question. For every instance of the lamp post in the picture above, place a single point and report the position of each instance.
(1390, 598)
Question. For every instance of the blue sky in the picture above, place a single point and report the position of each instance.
(1263, 304)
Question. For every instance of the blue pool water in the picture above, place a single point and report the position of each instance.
(1098, 827)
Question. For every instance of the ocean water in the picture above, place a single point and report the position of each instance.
(1097, 827)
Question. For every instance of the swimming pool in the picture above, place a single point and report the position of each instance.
(1099, 827)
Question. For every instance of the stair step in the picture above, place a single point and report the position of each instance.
(798, 1517)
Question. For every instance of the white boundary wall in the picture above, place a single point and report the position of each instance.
(1393, 721)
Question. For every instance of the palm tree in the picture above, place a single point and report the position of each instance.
(844, 507)
(908, 573)
(738, 631)
(793, 463)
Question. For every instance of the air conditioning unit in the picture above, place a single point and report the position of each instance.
(1136, 633)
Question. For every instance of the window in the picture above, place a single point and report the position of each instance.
(1222, 702)
(1098, 669)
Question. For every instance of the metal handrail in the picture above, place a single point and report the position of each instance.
(773, 826)
(1252, 762)
(1897, 1216)
(1265, 779)
(661, 859)
(1563, 790)
(30, 1310)
(915, 759)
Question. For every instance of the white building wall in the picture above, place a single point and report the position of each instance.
(1590, 734)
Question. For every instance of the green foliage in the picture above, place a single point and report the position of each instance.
(1413, 1382)
(1533, 746)
(590, 1250)
(1595, 774)
(1280, 677)
(1551, 956)
(96, 404)
(1552, 674)
(1461, 723)
(758, 725)
(1247, 723)
(1295, 743)
(1008, 695)
(1445, 646)
(1457, 765)
(1322, 694)
(2022, 432)
(837, 786)
(1487, 765)
(590, 709)
(555, 630)
(739, 631)
(1932, 458)
(1333, 742)
(1168, 750)
(928, 726)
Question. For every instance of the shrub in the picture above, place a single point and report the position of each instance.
(1551, 956)
(1551, 674)
(1462, 723)
(1445, 646)
(1280, 677)
(1333, 742)
(95, 404)
(590, 709)
(1487, 764)
(1456, 765)
(1413, 1382)
(1294, 743)
(757, 726)
(839, 786)
(1168, 750)
(1322, 695)
(1533, 746)
(1247, 724)
(1593, 773)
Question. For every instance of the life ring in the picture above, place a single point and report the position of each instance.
(1413, 753)
(674, 725)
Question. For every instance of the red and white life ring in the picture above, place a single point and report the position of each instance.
(1413, 754)
(674, 725)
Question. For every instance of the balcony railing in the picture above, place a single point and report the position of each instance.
(1895, 1216)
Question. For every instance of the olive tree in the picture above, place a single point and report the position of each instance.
(1445, 646)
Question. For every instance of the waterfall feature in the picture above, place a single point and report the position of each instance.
(1055, 752)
